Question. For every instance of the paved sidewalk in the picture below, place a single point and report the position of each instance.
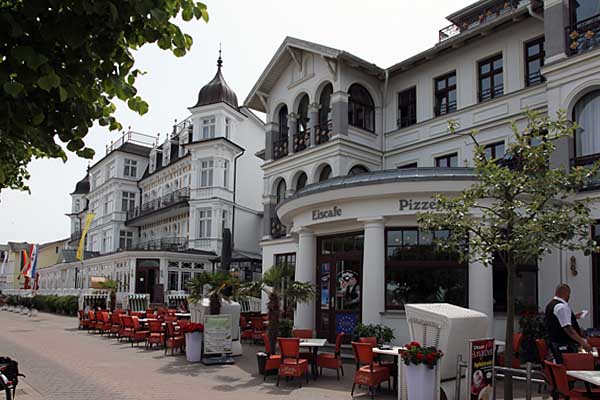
(64, 363)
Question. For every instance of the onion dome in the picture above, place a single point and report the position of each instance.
(217, 90)
(83, 186)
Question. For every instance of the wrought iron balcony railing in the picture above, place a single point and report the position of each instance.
(162, 244)
(280, 148)
(323, 132)
(302, 140)
(178, 196)
(277, 228)
(584, 35)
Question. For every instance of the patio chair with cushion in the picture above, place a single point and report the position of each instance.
(91, 321)
(273, 360)
(115, 324)
(103, 322)
(367, 371)
(516, 346)
(559, 373)
(84, 322)
(174, 340)
(304, 334)
(157, 334)
(139, 334)
(291, 363)
(245, 329)
(258, 328)
(332, 360)
(138, 314)
(594, 341)
(150, 313)
(127, 327)
(372, 341)
(544, 355)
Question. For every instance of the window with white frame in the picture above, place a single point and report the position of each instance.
(96, 180)
(77, 205)
(130, 169)
(227, 128)
(128, 201)
(110, 171)
(106, 241)
(225, 174)
(125, 240)
(209, 126)
(225, 219)
(206, 173)
(205, 223)
(108, 204)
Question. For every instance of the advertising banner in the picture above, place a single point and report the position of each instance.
(217, 334)
(480, 373)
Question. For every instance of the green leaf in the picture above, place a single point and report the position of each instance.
(86, 153)
(63, 94)
(38, 119)
(13, 88)
(49, 81)
(179, 52)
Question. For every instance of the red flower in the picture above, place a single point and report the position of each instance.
(415, 344)
(430, 357)
(192, 327)
(419, 356)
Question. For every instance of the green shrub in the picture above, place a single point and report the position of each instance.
(66, 305)
(384, 334)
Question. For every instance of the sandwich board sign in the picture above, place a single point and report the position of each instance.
(217, 339)
(480, 374)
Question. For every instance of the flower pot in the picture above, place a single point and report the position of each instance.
(193, 346)
(420, 381)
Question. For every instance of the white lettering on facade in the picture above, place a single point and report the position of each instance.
(321, 214)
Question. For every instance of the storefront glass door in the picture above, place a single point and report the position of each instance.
(339, 277)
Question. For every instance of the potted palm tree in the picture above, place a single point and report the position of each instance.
(220, 287)
(112, 286)
(279, 285)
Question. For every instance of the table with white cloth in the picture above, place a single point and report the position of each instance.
(391, 351)
(314, 344)
(589, 378)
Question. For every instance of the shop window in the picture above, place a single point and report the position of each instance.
(361, 108)
(491, 83)
(325, 173)
(587, 115)
(286, 259)
(418, 272)
(494, 151)
(407, 108)
(534, 61)
(447, 161)
(358, 170)
(525, 287)
(445, 94)
(342, 244)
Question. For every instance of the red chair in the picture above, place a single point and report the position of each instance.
(291, 363)
(174, 340)
(258, 329)
(273, 360)
(245, 329)
(594, 341)
(562, 383)
(157, 334)
(332, 360)
(367, 371)
(127, 327)
(115, 324)
(150, 313)
(139, 334)
(304, 334)
(91, 321)
(84, 322)
(372, 340)
(516, 346)
(138, 314)
(168, 318)
(103, 323)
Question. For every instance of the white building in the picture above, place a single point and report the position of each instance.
(161, 209)
(354, 151)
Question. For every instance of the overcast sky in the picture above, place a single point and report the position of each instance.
(380, 31)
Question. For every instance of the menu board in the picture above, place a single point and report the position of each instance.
(480, 373)
(217, 334)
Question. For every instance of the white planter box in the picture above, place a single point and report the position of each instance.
(421, 382)
(193, 346)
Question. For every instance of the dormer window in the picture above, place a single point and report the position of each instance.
(152, 167)
(166, 157)
(209, 126)
(130, 169)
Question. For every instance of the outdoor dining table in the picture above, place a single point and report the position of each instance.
(391, 351)
(589, 378)
(314, 344)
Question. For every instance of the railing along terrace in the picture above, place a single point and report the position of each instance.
(280, 148)
(277, 228)
(132, 137)
(323, 132)
(169, 244)
(167, 200)
(301, 140)
(593, 182)
(478, 17)
(584, 35)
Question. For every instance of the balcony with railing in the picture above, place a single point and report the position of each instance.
(162, 244)
(277, 228)
(302, 140)
(181, 196)
(280, 148)
(584, 35)
(478, 17)
(323, 132)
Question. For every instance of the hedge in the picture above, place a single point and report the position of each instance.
(66, 305)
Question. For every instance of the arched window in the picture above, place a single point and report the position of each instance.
(361, 109)
(357, 170)
(587, 114)
(301, 181)
(280, 191)
(302, 123)
(325, 104)
(283, 121)
(325, 173)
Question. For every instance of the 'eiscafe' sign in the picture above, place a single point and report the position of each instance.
(322, 214)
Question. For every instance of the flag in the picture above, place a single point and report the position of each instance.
(24, 262)
(88, 221)
(4, 261)
(33, 256)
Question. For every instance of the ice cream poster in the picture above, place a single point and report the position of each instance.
(480, 373)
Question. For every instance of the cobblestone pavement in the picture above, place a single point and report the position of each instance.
(63, 363)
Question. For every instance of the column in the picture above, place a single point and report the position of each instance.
(339, 112)
(373, 275)
(306, 272)
(481, 291)
(292, 128)
(556, 18)
(267, 213)
(271, 132)
(313, 121)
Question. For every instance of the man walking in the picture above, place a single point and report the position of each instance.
(564, 334)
